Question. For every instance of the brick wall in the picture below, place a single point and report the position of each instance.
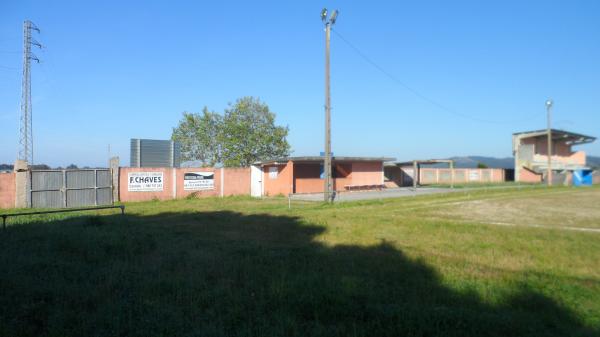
(7, 190)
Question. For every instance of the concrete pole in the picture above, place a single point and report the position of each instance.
(113, 164)
(452, 174)
(549, 151)
(415, 174)
(327, 163)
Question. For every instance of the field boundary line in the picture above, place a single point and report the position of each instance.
(508, 224)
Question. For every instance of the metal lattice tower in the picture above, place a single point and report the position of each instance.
(25, 130)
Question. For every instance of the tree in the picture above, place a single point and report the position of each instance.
(72, 167)
(248, 134)
(481, 165)
(198, 136)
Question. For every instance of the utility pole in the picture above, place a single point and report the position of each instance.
(327, 195)
(26, 132)
(549, 104)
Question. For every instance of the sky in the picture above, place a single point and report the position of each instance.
(409, 79)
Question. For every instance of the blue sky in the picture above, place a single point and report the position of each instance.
(115, 70)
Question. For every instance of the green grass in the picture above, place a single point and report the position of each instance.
(418, 266)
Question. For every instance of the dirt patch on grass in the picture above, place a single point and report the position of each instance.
(571, 208)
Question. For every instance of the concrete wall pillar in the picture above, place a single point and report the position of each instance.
(21, 184)
(113, 164)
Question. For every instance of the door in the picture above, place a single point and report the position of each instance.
(256, 176)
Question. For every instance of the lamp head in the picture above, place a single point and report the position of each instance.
(333, 16)
(324, 14)
(549, 103)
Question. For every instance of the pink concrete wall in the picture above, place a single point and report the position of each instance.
(443, 176)
(126, 195)
(561, 151)
(7, 190)
(236, 182)
(366, 173)
(182, 193)
(283, 184)
(360, 173)
(528, 176)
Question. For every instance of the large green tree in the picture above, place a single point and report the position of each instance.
(198, 136)
(249, 133)
(244, 134)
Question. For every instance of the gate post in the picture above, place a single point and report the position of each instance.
(21, 184)
(114, 173)
(64, 188)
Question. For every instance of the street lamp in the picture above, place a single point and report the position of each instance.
(549, 104)
(327, 195)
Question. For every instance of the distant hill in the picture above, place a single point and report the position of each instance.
(593, 161)
(505, 163)
(491, 162)
(6, 167)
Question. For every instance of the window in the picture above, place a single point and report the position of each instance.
(273, 171)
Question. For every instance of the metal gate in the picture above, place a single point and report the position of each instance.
(70, 188)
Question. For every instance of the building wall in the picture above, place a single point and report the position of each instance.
(283, 183)
(528, 176)
(561, 151)
(366, 173)
(7, 190)
(234, 181)
(561, 154)
(306, 177)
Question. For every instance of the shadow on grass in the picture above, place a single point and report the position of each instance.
(229, 274)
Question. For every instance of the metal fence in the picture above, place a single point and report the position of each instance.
(70, 188)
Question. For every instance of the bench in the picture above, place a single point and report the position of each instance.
(364, 187)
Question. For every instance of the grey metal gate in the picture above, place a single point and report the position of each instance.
(70, 188)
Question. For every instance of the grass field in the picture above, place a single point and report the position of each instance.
(501, 262)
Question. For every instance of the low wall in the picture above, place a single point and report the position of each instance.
(7, 190)
(527, 176)
(173, 183)
(460, 176)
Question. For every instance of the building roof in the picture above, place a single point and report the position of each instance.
(422, 162)
(570, 137)
(320, 159)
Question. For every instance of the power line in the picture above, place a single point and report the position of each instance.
(9, 68)
(419, 94)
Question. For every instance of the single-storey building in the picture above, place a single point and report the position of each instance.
(305, 175)
(531, 155)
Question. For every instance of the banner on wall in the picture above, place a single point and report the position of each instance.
(198, 181)
(144, 181)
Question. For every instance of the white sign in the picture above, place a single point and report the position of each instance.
(145, 181)
(198, 181)
(473, 175)
(273, 170)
